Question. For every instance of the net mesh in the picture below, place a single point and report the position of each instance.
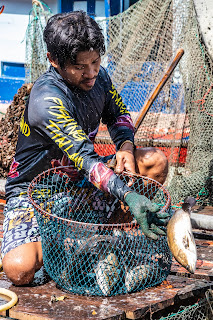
(35, 56)
(140, 43)
(202, 310)
(91, 245)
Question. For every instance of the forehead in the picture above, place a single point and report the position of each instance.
(87, 57)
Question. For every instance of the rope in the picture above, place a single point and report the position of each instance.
(207, 294)
(38, 3)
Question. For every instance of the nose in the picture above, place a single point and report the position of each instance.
(89, 72)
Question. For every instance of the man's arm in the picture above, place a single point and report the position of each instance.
(58, 124)
(121, 129)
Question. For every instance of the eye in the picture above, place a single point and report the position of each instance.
(79, 67)
(95, 61)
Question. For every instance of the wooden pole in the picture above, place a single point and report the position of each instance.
(153, 95)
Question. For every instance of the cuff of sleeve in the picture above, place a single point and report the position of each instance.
(120, 144)
(117, 187)
(123, 143)
(133, 145)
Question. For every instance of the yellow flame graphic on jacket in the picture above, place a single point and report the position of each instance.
(24, 128)
(118, 100)
(70, 126)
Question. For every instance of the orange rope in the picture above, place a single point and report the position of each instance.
(201, 102)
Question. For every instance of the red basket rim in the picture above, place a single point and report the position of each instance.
(88, 224)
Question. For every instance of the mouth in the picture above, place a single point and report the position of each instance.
(89, 82)
(191, 268)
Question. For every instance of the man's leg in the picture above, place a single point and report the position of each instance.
(152, 163)
(21, 247)
(21, 263)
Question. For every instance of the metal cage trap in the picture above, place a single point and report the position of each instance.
(91, 244)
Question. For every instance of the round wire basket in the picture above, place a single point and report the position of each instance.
(90, 241)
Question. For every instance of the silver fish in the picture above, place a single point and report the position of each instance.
(136, 277)
(107, 275)
(180, 237)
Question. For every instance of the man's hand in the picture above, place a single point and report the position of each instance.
(145, 212)
(125, 158)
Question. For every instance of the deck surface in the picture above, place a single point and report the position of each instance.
(38, 301)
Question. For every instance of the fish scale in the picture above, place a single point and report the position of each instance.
(180, 237)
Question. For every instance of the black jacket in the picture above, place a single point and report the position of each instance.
(62, 120)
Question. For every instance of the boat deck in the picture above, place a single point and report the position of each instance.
(42, 300)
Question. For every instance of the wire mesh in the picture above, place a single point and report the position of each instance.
(91, 244)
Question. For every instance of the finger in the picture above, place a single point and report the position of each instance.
(163, 215)
(120, 165)
(130, 165)
(147, 232)
(160, 222)
(150, 234)
(157, 230)
(153, 207)
(130, 183)
(128, 161)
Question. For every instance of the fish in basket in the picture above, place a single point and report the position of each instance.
(91, 244)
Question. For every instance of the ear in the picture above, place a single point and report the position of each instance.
(53, 62)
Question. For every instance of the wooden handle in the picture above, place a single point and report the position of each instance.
(153, 95)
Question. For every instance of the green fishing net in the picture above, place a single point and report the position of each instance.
(202, 310)
(91, 244)
(36, 52)
(140, 43)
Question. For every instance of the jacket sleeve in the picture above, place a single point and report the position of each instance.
(117, 118)
(52, 116)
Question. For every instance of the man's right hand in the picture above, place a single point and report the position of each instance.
(145, 212)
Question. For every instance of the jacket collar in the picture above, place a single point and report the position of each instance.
(55, 73)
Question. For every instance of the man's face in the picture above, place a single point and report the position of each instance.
(84, 72)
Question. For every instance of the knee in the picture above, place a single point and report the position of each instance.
(20, 268)
(151, 162)
(18, 272)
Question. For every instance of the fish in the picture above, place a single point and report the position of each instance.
(107, 275)
(98, 256)
(180, 238)
(137, 277)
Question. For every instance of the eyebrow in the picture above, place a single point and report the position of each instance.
(82, 64)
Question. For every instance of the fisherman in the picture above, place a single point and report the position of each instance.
(58, 127)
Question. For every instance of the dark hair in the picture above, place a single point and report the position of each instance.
(66, 34)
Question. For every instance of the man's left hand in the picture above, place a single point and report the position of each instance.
(125, 158)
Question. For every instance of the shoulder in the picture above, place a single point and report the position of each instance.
(47, 92)
(49, 82)
(47, 87)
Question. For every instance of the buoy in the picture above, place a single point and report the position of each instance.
(12, 295)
